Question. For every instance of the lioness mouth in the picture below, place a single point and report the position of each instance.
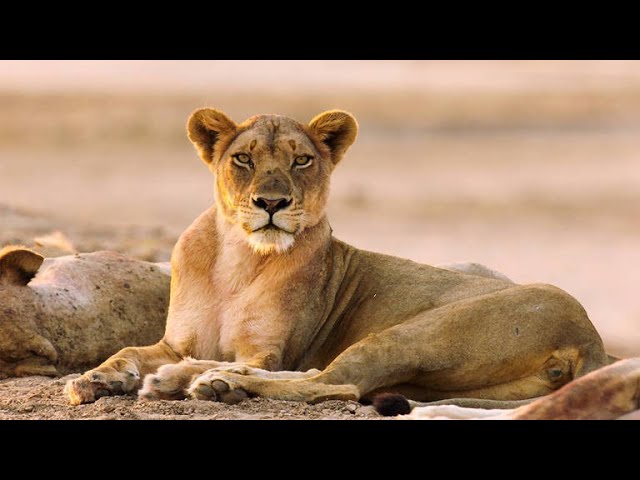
(272, 227)
(269, 226)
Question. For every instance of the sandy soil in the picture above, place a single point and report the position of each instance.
(532, 168)
(42, 398)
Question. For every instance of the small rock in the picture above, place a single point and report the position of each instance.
(351, 408)
(27, 408)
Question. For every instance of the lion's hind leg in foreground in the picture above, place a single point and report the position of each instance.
(523, 342)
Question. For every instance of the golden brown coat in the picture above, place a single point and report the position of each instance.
(264, 301)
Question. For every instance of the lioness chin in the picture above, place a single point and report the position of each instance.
(265, 302)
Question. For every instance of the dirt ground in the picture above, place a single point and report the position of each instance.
(532, 168)
(34, 398)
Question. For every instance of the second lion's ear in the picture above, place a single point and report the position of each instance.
(18, 265)
(206, 127)
(337, 129)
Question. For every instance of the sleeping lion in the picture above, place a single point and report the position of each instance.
(266, 302)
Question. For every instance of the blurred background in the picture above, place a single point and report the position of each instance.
(530, 167)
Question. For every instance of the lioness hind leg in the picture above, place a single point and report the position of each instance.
(120, 374)
(517, 343)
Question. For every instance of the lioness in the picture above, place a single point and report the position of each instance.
(265, 302)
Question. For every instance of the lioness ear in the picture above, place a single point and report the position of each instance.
(337, 129)
(205, 128)
(18, 265)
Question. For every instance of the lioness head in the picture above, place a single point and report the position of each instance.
(23, 349)
(272, 172)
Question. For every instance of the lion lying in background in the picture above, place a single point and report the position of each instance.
(66, 314)
(266, 302)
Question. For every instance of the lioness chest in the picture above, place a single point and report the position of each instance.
(248, 312)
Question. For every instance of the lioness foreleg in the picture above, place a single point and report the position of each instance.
(171, 382)
(226, 387)
(122, 373)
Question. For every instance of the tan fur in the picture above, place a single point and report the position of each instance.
(249, 298)
(605, 394)
(66, 314)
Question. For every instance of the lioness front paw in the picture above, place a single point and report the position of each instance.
(170, 382)
(102, 382)
(218, 387)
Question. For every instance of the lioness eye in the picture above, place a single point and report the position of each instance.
(303, 161)
(242, 159)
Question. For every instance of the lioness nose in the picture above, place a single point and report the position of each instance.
(271, 205)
